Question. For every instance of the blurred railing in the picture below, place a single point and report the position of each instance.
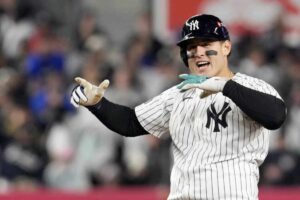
(106, 193)
(133, 193)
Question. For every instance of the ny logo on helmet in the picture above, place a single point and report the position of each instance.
(194, 25)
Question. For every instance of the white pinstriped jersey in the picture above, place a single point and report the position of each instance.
(217, 148)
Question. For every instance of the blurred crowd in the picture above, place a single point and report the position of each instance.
(45, 142)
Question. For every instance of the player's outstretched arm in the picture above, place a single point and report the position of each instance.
(118, 118)
(87, 94)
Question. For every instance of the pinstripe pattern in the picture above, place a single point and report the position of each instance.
(209, 164)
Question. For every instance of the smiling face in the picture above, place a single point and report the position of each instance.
(209, 58)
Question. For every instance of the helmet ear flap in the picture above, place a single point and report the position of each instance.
(184, 56)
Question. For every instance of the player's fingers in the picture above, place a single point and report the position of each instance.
(79, 92)
(191, 78)
(184, 76)
(74, 103)
(102, 87)
(82, 82)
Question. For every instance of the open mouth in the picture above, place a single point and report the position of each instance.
(202, 64)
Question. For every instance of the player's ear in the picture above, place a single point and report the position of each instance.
(226, 47)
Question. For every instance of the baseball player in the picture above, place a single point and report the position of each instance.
(219, 121)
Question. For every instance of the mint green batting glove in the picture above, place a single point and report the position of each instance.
(190, 79)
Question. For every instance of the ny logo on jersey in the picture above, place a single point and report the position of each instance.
(194, 24)
(218, 117)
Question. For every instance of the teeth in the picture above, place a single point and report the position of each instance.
(201, 63)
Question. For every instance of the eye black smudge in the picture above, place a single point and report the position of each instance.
(211, 53)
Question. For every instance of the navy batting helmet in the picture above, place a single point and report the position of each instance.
(204, 27)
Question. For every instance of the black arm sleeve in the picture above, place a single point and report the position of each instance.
(265, 109)
(120, 119)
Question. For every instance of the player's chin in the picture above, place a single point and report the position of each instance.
(203, 71)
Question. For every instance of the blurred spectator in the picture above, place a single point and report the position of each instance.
(62, 171)
(134, 150)
(281, 166)
(160, 161)
(162, 75)
(292, 127)
(255, 64)
(133, 52)
(122, 88)
(98, 55)
(46, 50)
(87, 28)
(16, 26)
(91, 47)
(149, 44)
(22, 155)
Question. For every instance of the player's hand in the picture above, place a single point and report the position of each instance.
(190, 79)
(87, 94)
(209, 85)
